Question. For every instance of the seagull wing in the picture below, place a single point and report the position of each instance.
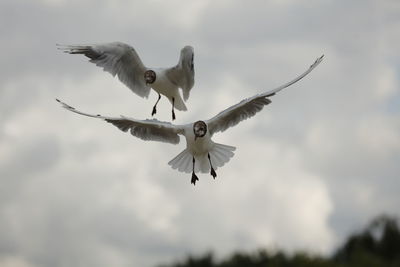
(182, 75)
(118, 59)
(250, 106)
(148, 130)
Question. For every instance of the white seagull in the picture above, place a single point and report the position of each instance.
(121, 59)
(201, 153)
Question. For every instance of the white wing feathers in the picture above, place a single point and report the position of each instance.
(250, 106)
(230, 117)
(182, 75)
(148, 130)
(118, 59)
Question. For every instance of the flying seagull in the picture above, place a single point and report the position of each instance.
(121, 59)
(201, 153)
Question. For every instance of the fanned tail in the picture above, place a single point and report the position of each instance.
(219, 155)
(182, 162)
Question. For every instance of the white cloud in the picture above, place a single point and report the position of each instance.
(380, 135)
(387, 83)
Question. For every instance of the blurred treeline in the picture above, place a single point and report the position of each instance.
(376, 245)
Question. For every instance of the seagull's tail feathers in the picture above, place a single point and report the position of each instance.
(178, 103)
(219, 155)
(183, 162)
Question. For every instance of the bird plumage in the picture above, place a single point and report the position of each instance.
(123, 61)
(200, 149)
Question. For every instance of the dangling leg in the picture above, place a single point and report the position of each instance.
(154, 108)
(213, 173)
(173, 112)
(194, 177)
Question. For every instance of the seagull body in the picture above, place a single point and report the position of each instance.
(201, 153)
(121, 60)
(163, 85)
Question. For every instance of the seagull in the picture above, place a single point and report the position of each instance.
(121, 59)
(201, 153)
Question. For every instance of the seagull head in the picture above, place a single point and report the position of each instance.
(149, 76)
(199, 129)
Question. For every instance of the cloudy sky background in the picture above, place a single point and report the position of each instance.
(312, 167)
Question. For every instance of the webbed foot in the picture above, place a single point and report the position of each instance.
(154, 111)
(213, 173)
(194, 179)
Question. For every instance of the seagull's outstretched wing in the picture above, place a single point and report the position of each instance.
(250, 106)
(118, 59)
(148, 130)
(182, 74)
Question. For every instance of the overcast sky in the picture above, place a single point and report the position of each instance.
(312, 167)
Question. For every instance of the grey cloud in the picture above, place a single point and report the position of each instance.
(35, 30)
(78, 192)
(27, 159)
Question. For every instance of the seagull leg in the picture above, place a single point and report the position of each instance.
(173, 112)
(154, 108)
(213, 173)
(194, 177)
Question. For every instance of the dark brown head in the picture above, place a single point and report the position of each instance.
(149, 76)
(199, 129)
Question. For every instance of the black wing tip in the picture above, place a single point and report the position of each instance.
(62, 47)
(317, 61)
(74, 49)
(188, 47)
(269, 95)
(65, 105)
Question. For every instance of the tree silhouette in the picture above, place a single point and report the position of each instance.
(379, 242)
(378, 245)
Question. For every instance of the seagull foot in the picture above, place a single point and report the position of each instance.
(173, 115)
(154, 111)
(213, 173)
(194, 179)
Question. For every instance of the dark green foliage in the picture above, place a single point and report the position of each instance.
(205, 261)
(376, 246)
